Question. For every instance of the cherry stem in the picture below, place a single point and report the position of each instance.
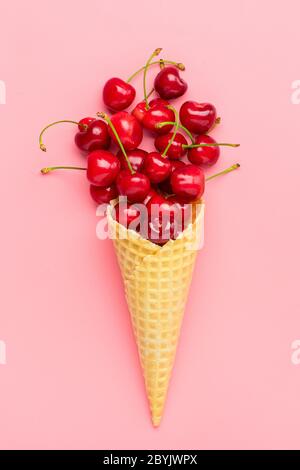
(169, 123)
(194, 146)
(164, 154)
(42, 146)
(150, 92)
(224, 172)
(154, 54)
(108, 120)
(217, 121)
(46, 170)
(161, 64)
(179, 65)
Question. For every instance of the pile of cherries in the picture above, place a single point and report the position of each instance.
(159, 179)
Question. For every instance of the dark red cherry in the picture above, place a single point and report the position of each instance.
(156, 167)
(157, 114)
(127, 214)
(134, 186)
(169, 84)
(102, 168)
(198, 117)
(117, 94)
(186, 211)
(188, 183)
(165, 186)
(149, 196)
(95, 137)
(128, 128)
(140, 109)
(204, 156)
(85, 122)
(176, 149)
(103, 195)
(136, 158)
(161, 219)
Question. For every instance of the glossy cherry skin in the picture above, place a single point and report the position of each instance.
(95, 137)
(169, 84)
(165, 186)
(102, 168)
(156, 114)
(128, 128)
(134, 186)
(140, 110)
(117, 94)
(176, 149)
(188, 183)
(126, 214)
(85, 122)
(136, 158)
(204, 156)
(103, 195)
(156, 167)
(198, 117)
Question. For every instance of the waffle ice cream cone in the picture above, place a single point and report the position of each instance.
(157, 281)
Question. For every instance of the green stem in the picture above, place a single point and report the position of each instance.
(42, 146)
(150, 92)
(216, 144)
(174, 132)
(169, 123)
(46, 170)
(108, 120)
(154, 54)
(227, 170)
(179, 65)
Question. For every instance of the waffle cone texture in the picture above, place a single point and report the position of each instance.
(157, 281)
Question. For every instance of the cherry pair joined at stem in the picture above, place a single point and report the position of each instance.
(203, 150)
(119, 94)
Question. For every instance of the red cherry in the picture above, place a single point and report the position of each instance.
(135, 186)
(117, 94)
(186, 213)
(161, 219)
(128, 129)
(165, 186)
(95, 137)
(136, 158)
(157, 114)
(149, 196)
(85, 122)
(198, 117)
(92, 134)
(188, 183)
(103, 195)
(176, 164)
(169, 84)
(176, 149)
(102, 168)
(204, 156)
(125, 213)
(156, 167)
(140, 109)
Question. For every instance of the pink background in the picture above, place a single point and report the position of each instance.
(72, 378)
